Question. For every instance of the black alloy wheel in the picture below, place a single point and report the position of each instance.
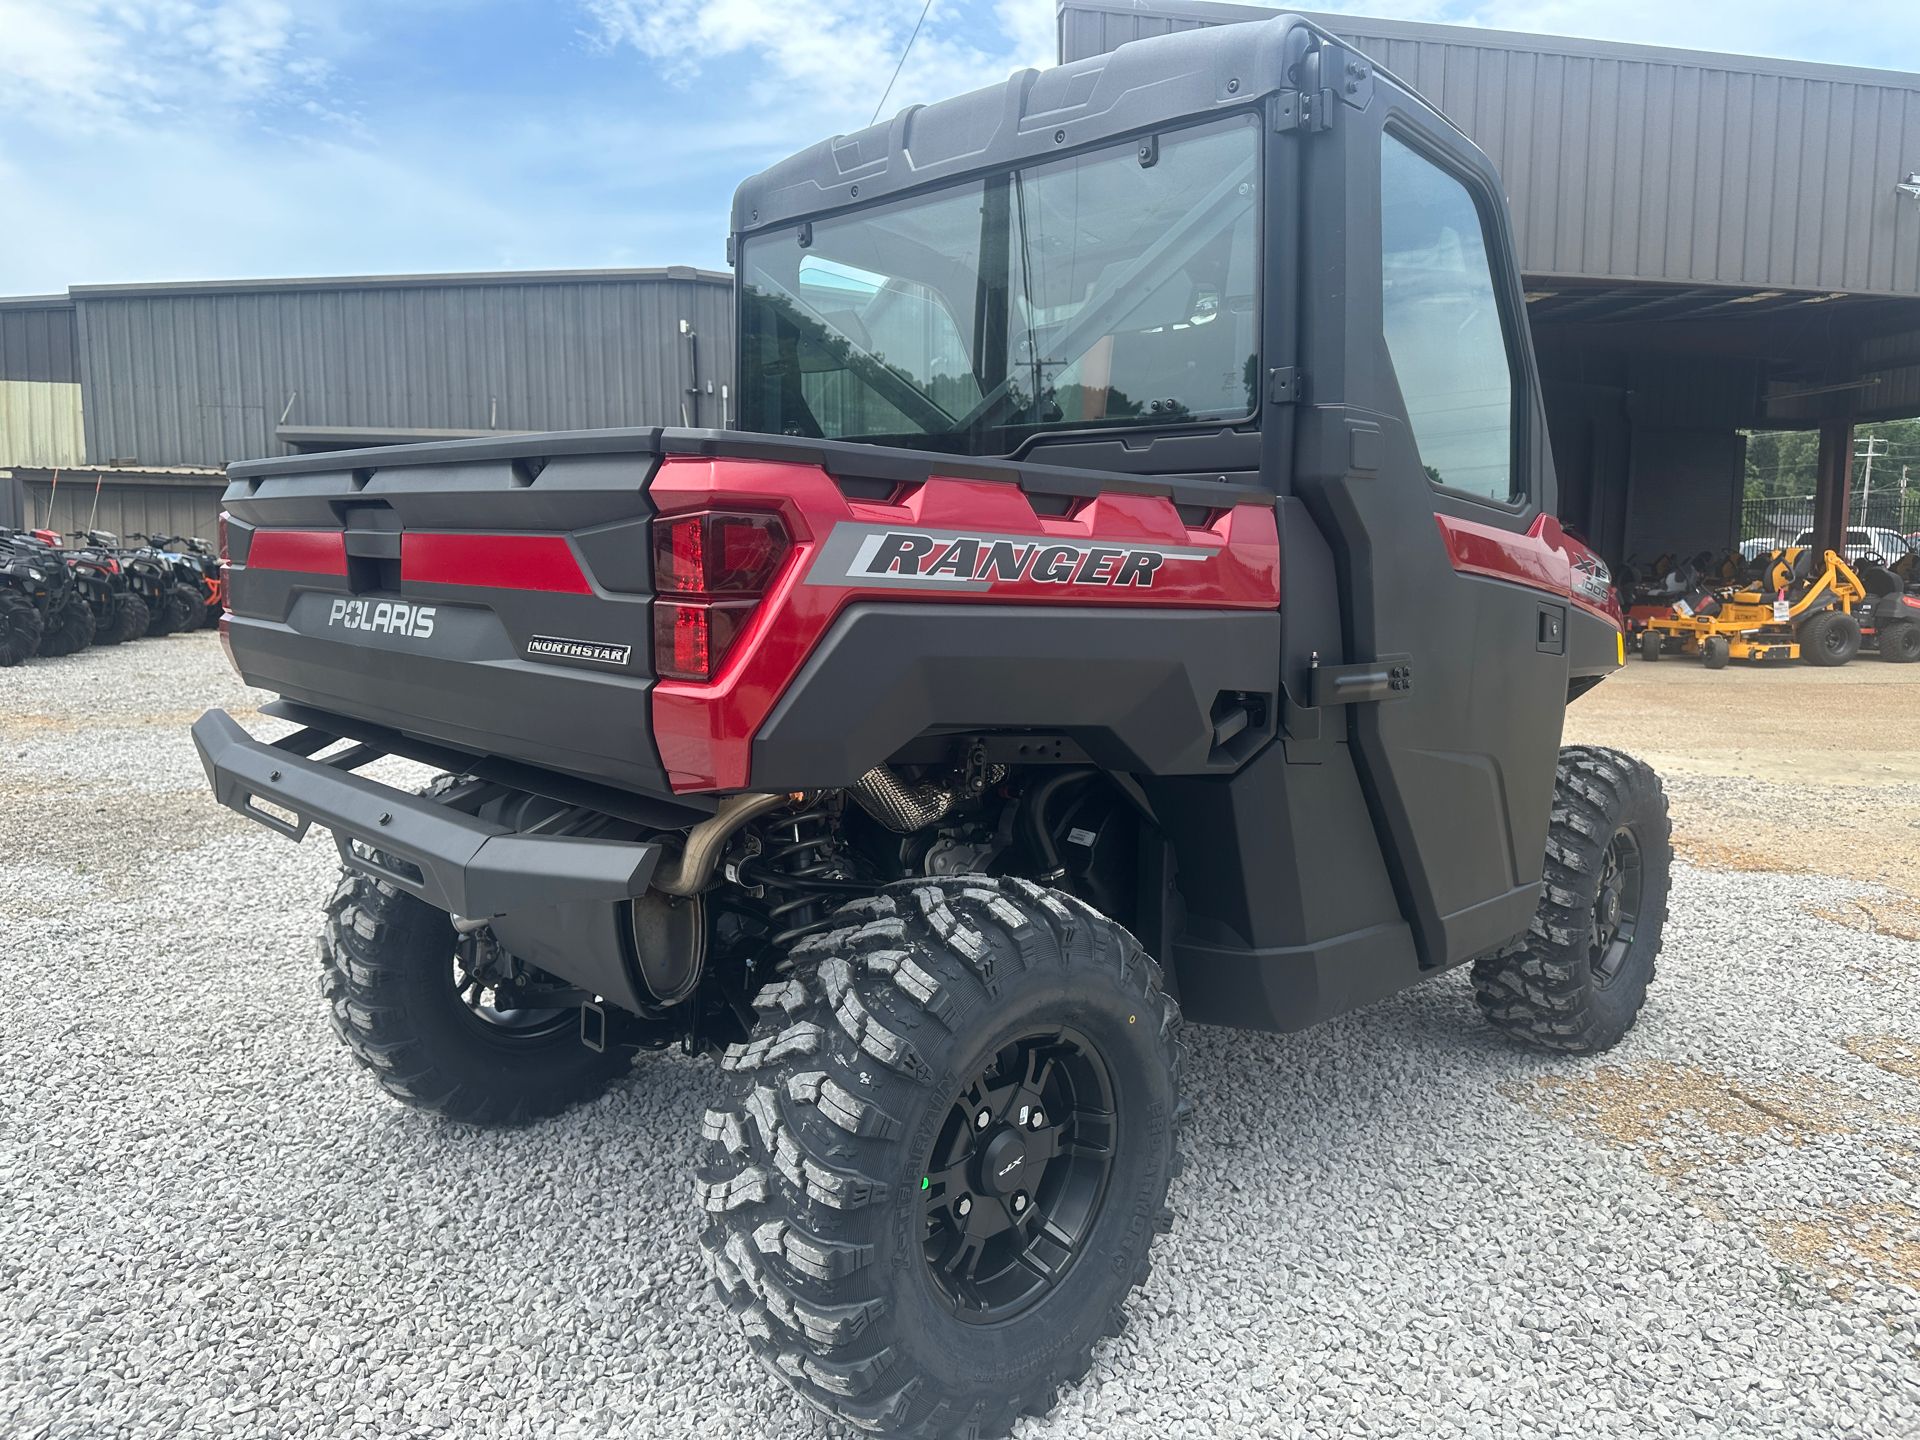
(1616, 910)
(504, 1007)
(1018, 1174)
(1576, 982)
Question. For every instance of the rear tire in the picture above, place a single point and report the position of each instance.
(866, 1233)
(1716, 652)
(388, 977)
(1830, 638)
(1650, 643)
(1577, 982)
(1900, 642)
(20, 629)
(131, 616)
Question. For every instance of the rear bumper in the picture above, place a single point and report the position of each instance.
(453, 861)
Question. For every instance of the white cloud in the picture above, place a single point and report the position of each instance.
(826, 64)
(69, 65)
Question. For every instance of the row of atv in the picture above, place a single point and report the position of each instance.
(58, 597)
(1790, 604)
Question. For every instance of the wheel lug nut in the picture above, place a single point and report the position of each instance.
(963, 1206)
(1020, 1203)
(983, 1120)
(1037, 1119)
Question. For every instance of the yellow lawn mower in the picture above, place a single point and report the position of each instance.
(1788, 610)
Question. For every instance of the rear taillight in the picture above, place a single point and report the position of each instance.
(710, 569)
(716, 552)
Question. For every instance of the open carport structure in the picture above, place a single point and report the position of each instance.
(1711, 243)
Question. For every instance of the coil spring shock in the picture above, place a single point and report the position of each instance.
(803, 849)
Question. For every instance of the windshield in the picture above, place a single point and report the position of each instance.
(1111, 288)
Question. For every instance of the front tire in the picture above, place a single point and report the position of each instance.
(1577, 982)
(1716, 651)
(131, 616)
(400, 1002)
(904, 1266)
(20, 629)
(69, 632)
(1650, 644)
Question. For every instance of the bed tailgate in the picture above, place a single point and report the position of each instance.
(498, 604)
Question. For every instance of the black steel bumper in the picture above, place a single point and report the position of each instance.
(451, 860)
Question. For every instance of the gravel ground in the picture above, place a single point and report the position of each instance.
(1392, 1226)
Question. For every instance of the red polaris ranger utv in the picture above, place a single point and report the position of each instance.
(1134, 591)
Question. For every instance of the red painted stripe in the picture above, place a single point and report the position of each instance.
(1540, 559)
(1477, 549)
(497, 562)
(307, 552)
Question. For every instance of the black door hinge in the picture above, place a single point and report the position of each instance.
(1388, 678)
(1286, 386)
(1308, 110)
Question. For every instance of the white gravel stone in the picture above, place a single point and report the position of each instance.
(1395, 1225)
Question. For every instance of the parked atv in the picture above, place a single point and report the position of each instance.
(928, 789)
(204, 559)
(67, 620)
(23, 601)
(125, 616)
(174, 588)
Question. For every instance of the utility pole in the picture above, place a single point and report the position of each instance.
(1876, 448)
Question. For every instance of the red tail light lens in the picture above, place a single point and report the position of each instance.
(691, 637)
(717, 552)
(696, 558)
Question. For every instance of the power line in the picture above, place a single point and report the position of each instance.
(903, 61)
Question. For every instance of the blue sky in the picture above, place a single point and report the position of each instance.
(202, 139)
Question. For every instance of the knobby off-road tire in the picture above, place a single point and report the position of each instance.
(830, 1174)
(193, 609)
(1576, 984)
(112, 630)
(20, 629)
(1830, 638)
(387, 975)
(131, 617)
(166, 616)
(68, 632)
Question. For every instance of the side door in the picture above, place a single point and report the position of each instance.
(1423, 456)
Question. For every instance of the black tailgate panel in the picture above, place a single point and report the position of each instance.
(498, 605)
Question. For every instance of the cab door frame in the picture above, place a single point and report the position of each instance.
(1458, 759)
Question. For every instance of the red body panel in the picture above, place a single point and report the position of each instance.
(705, 731)
(500, 562)
(1542, 559)
(307, 552)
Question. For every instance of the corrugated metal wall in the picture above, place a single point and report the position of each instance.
(1630, 162)
(191, 375)
(40, 424)
(37, 340)
(124, 508)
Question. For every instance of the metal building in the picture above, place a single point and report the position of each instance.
(125, 402)
(1712, 243)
